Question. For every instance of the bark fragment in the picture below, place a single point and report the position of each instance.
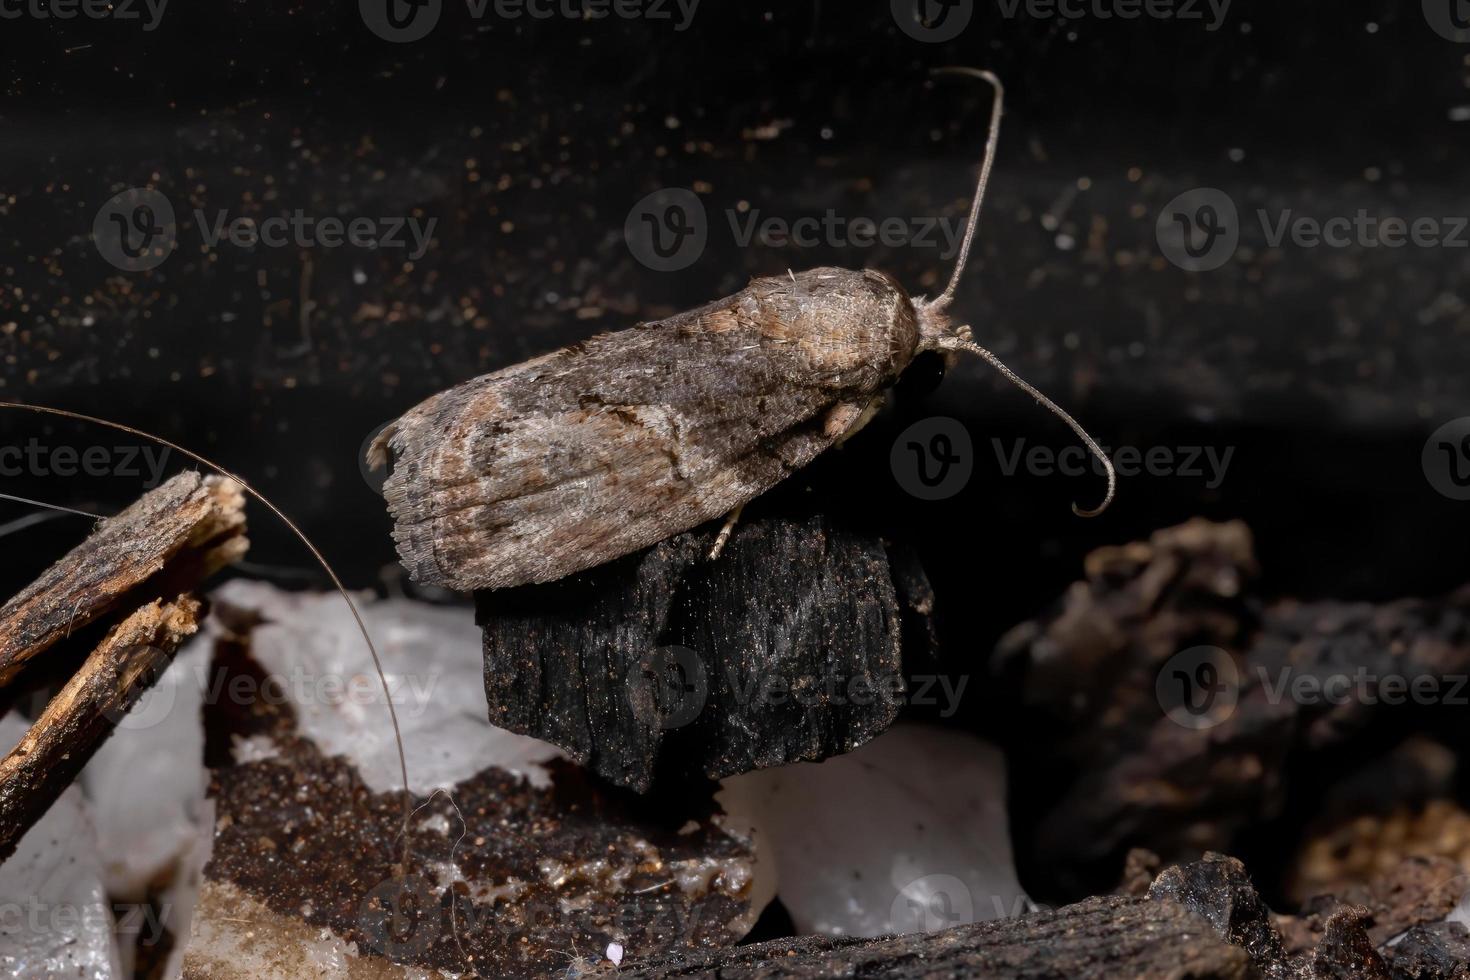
(787, 648)
(169, 540)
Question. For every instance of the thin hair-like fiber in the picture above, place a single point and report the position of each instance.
(1051, 406)
(992, 140)
(315, 552)
(55, 507)
(959, 340)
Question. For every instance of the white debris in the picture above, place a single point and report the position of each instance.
(245, 749)
(146, 783)
(316, 659)
(907, 833)
(615, 953)
(55, 917)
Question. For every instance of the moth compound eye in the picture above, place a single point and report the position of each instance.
(375, 457)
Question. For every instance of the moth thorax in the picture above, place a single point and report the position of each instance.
(935, 324)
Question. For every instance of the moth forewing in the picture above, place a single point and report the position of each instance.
(550, 467)
(573, 459)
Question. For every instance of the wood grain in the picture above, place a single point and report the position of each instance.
(84, 713)
(170, 539)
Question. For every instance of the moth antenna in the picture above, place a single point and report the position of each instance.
(956, 343)
(315, 552)
(52, 507)
(945, 298)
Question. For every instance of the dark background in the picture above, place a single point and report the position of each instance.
(529, 141)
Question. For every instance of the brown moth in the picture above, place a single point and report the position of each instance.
(608, 446)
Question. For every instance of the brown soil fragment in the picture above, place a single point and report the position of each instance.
(505, 879)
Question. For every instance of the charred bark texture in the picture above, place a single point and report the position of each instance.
(786, 648)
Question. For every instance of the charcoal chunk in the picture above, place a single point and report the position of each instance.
(787, 648)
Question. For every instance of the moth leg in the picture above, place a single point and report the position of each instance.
(730, 521)
(845, 419)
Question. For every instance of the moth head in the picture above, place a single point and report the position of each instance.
(937, 331)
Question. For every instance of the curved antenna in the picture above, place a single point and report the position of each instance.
(321, 559)
(944, 298)
(953, 342)
(57, 508)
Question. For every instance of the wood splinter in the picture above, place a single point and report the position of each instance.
(79, 719)
(137, 567)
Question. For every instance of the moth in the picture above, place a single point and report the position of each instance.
(608, 446)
